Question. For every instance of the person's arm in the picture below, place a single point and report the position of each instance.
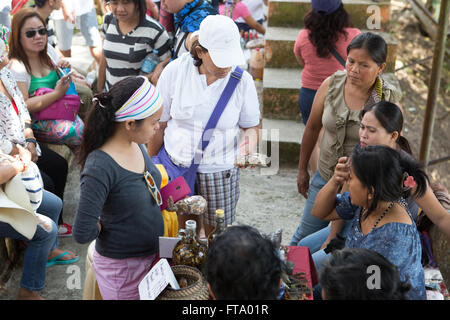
(154, 76)
(310, 136)
(101, 77)
(254, 24)
(94, 191)
(435, 211)
(9, 169)
(153, 9)
(325, 204)
(157, 141)
(249, 140)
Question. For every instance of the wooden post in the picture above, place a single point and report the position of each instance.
(430, 111)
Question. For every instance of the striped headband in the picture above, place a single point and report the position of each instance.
(142, 104)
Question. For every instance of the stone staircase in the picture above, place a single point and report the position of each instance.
(282, 74)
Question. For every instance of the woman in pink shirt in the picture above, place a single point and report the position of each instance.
(327, 25)
(240, 10)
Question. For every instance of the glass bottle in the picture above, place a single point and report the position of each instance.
(150, 62)
(220, 225)
(189, 250)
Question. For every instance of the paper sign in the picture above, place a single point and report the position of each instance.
(166, 245)
(157, 280)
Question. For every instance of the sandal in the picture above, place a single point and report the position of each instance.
(58, 260)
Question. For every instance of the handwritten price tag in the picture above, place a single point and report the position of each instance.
(157, 280)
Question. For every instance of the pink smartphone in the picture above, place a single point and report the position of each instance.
(177, 188)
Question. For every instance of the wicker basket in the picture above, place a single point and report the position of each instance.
(196, 289)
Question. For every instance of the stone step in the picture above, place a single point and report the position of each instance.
(280, 92)
(364, 14)
(280, 42)
(282, 139)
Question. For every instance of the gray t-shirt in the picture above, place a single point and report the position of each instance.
(130, 217)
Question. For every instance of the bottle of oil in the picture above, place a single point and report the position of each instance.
(256, 64)
(189, 251)
(220, 226)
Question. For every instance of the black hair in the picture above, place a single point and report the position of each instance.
(40, 3)
(346, 276)
(142, 8)
(390, 117)
(373, 44)
(194, 53)
(99, 124)
(242, 264)
(324, 29)
(383, 170)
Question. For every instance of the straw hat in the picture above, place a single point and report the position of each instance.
(15, 208)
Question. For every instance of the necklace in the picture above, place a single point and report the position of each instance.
(383, 214)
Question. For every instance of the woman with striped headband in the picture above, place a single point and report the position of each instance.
(119, 200)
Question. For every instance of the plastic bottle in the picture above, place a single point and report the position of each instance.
(229, 8)
(150, 62)
(256, 64)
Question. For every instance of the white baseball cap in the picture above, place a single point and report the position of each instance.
(220, 35)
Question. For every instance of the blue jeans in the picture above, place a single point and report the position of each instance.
(305, 101)
(317, 239)
(242, 26)
(39, 247)
(310, 224)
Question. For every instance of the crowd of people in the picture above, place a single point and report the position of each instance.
(191, 116)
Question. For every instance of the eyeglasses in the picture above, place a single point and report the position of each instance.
(32, 33)
(151, 185)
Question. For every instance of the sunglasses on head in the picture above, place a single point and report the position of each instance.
(151, 185)
(32, 33)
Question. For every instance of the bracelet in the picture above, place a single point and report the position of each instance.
(32, 140)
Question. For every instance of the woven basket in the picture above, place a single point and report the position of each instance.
(196, 289)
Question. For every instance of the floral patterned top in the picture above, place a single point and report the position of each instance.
(12, 125)
(397, 242)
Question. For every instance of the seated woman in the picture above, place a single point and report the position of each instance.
(381, 124)
(15, 128)
(41, 250)
(240, 10)
(379, 180)
(33, 69)
(256, 9)
(119, 196)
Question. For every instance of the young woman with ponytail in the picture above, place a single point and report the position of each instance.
(119, 196)
(379, 179)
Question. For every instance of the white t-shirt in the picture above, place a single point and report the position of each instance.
(256, 9)
(188, 104)
(78, 7)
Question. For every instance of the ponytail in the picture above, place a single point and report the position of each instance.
(419, 180)
(100, 121)
(403, 144)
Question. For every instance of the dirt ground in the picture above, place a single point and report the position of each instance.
(413, 46)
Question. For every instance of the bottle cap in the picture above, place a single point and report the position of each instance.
(191, 225)
(220, 212)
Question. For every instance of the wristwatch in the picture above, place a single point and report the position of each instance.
(31, 140)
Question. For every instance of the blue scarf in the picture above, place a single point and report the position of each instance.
(193, 13)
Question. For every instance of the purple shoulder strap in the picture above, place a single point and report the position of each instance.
(235, 77)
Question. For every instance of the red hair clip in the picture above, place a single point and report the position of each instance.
(409, 182)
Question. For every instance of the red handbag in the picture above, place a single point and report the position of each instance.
(65, 108)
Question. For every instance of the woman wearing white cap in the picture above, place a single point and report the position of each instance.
(119, 197)
(191, 87)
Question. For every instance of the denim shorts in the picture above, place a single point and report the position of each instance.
(88, 27)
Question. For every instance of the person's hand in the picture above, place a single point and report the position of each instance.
(63, 63)
(62, 85)
(325, 243)
(24, 155)
(342, 171)
(32, 148)
(303, 182)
